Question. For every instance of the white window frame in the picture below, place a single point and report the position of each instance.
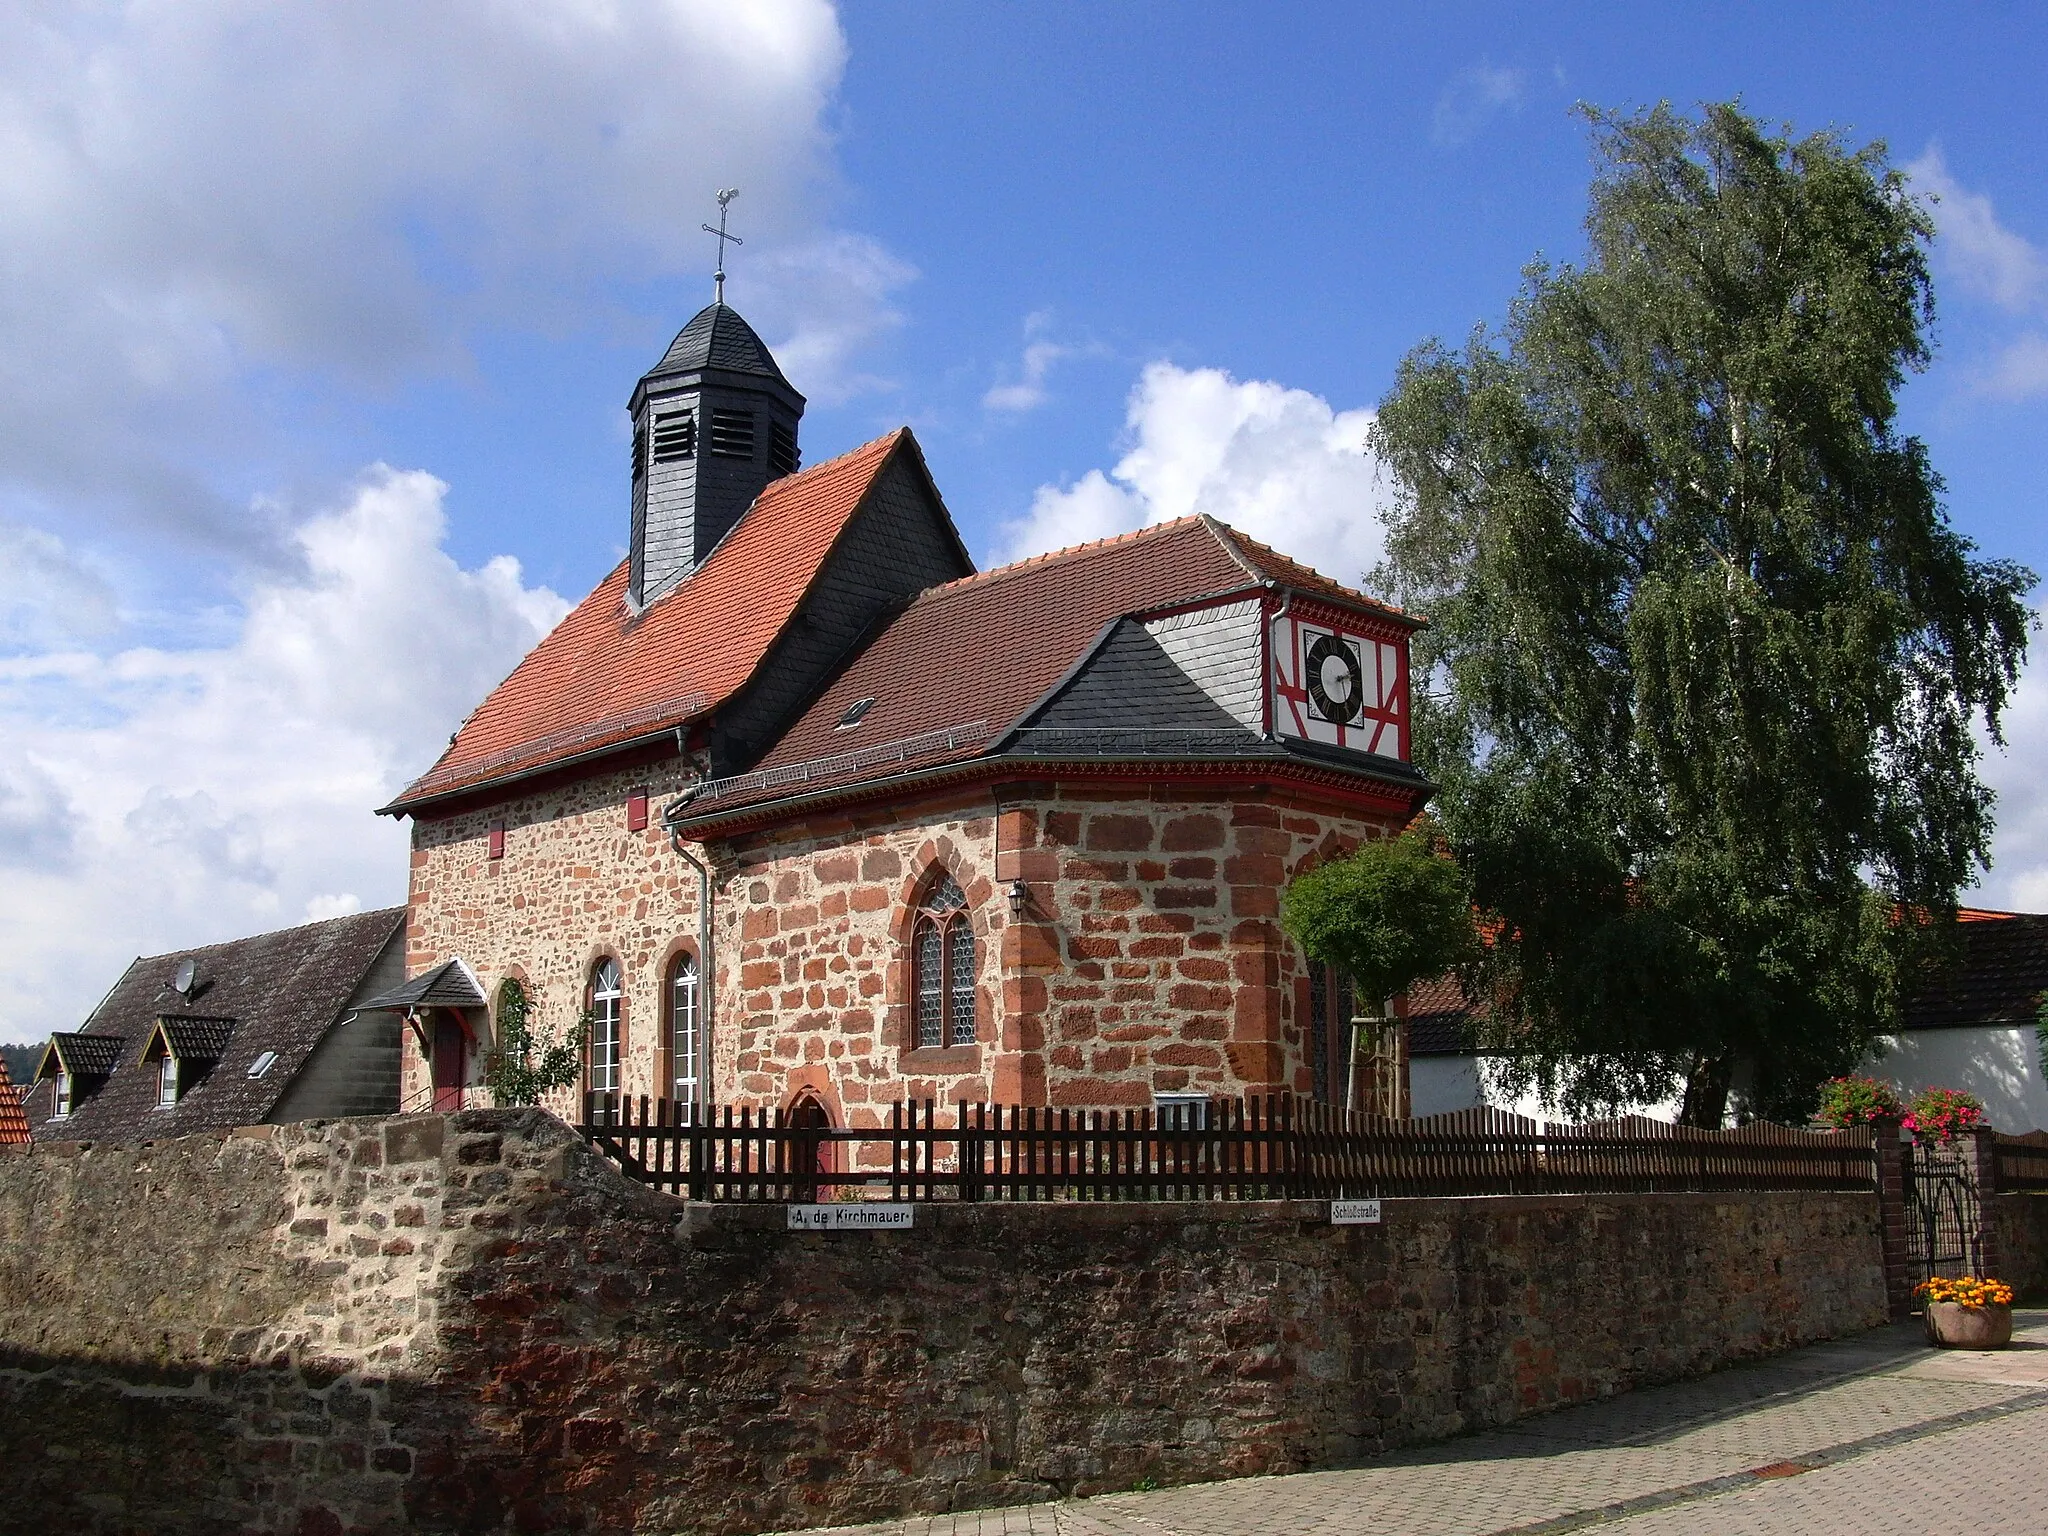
(167, 1082)
(60, 1103)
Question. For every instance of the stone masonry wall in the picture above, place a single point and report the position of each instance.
(575, 885)
(473, 1324)
(1148, 958)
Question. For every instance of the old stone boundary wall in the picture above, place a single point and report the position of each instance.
(472, 1323)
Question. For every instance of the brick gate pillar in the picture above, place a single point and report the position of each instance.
(1891, 1202)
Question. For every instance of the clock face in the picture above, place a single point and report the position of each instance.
(1339, 687)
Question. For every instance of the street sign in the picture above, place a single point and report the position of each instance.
(1354, 1213)
(850, 1216)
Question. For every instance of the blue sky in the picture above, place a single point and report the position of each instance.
(313, 370)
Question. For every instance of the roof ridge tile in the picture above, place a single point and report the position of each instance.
(1032, 562)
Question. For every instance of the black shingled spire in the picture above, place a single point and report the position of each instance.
(713, 422)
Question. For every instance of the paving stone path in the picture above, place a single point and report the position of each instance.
(1877, 1434)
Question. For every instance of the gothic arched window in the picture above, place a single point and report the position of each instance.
(942, 959)
(607, 999)
(684, 1038)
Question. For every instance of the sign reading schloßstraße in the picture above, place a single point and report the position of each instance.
(852, 1217)
(1354, 1213)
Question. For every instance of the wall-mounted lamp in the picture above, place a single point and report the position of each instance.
(1020, 894)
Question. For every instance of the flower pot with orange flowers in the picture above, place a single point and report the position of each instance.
(1966, 1312)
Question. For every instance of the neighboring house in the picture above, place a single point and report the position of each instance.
(259, 1030)
(800, 811)
(1975, 1028)
(13, 1123)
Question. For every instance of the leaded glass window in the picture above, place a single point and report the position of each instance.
(942, 953)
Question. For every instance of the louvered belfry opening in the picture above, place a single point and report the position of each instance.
(713, 422)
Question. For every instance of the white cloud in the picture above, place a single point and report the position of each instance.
(47, 592)
(1988, 259)
(2018, 879)
(154, 797)
(212, 205)
(1473, 99)
(1027, 392)
(1279, 464)
(1994, 263)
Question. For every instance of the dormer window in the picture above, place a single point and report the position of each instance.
(732, 434)
(167, 1082)
(675, 437)
(61, 1103)
(782, 455)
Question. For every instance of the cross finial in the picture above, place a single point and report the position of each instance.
(725, 197)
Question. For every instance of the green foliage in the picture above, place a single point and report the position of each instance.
(1944, 1113)
(1847, 1101)
(1707, 659)
(525, 1066)
(21, 1062)
(1392, 914)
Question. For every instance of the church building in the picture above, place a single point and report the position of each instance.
(799, 810)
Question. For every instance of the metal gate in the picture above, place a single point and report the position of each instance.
(1944, 1214)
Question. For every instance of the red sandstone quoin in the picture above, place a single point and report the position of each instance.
(797, 806)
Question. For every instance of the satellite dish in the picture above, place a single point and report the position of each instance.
(188, 973)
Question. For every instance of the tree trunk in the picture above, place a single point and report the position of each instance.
(1706, 1092)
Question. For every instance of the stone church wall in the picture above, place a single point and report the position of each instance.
(1147, 957)
(471, 1323)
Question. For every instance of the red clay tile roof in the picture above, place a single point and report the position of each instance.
(981, 650)
(1292, 573)
(603, 677)
(13, 1123)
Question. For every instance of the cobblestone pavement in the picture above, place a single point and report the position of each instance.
(1876, 1434)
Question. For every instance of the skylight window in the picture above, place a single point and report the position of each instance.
(854, 712)
(262, 1064)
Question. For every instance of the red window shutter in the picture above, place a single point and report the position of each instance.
(636, 811)
(497, 839)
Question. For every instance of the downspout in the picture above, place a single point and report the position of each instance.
(707, 961)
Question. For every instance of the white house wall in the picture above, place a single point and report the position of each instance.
(2001, 1064)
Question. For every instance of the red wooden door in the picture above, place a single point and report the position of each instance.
(450, 1059)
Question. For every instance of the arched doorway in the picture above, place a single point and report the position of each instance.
(809, 1153)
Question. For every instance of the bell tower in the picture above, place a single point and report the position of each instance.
(713, 422)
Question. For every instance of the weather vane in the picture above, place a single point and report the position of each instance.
(725, 197)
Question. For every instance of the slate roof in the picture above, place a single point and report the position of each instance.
(13, 1123)
(1999, 978)
(717, 337)
(85, 1055)
(606, 676)
(984, 650)
(195, 1039)
(283, 991)
(451, 984)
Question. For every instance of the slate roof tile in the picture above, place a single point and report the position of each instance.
(983, 649)
(1999, 979)
(283, 991)
(605, 675)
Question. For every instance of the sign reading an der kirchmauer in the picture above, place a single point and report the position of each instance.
(853, 1216)
(1354, 1213)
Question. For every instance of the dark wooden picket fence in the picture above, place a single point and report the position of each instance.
(1226, 1149)
(2022, 1160)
